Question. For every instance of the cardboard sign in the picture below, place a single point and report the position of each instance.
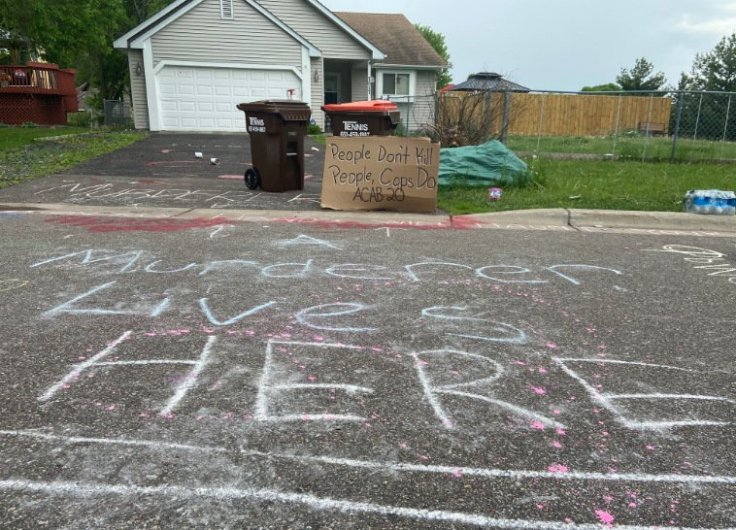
(381, 173)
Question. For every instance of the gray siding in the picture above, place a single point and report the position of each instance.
(138, 90)
(423, 108)
(201, 35)
(420, 111)
(360, 83)
(333, 41)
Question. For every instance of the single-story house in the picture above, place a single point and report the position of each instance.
(195, 60)
(408, 72)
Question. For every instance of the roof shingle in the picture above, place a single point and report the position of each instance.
(396, 37)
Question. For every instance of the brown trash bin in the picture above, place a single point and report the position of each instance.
(378, 117)
(277, 129)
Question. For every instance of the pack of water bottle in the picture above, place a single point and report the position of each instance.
(711, 202)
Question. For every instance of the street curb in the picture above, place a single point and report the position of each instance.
(556, 219)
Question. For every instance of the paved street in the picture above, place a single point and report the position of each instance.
(223, 374)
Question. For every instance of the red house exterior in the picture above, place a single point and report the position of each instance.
(40, 93)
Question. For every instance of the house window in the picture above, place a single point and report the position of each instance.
(226, 9)
(396, 84)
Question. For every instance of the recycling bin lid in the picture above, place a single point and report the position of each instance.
(376, 105)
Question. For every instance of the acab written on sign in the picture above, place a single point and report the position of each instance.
(381, 173)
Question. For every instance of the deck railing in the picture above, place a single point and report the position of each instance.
(37, 92)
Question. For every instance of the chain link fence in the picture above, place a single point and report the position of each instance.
(644, 126)
(117, 113)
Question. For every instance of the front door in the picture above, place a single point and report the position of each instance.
(332, 88)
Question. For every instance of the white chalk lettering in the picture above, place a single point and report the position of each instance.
(268, 390)
(509, 333)
(204, 305)
(68, 307)
(306, 316)
(431, 390)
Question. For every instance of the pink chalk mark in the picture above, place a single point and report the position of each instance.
(651, 447)
(608, 499)
(318, 338)
(424, 458)
(556, 412)
(538, 390)
(568, 520)
(604, 516)
(111, 407)
(457, 473)
(551, 345)
(540, 506)
(311, 377)
(519, 363)
(558, 468)
(633, 505)
(542, 370)
(560, 431)
(538, 425)
(556, 444)
(403, 445)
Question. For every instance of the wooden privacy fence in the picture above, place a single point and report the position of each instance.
(550, 114)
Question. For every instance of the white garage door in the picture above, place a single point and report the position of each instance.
(205, 99)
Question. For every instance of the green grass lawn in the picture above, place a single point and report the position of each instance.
(15, 137)
(627, 147)
(611, 185)
(34, 151)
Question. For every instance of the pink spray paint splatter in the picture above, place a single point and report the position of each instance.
(538, 425)
(604, 516)
(558, 468)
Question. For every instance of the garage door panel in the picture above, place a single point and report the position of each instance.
(193, 98)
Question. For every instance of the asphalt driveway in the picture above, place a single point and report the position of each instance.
(164, 170)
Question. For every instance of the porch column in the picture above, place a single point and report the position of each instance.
(370, 73)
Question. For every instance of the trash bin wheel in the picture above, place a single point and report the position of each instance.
(252, 178)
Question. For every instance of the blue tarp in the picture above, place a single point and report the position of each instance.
(489, 164)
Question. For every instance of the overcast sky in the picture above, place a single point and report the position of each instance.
(565, 44)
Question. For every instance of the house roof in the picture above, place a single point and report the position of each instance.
(489, 81)
(396, 37)
(135, 37)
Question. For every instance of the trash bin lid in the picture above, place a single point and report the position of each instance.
(288, 109)
(376, 105)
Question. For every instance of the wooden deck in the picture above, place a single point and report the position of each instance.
(38, 92)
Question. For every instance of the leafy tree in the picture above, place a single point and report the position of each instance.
(437, 41)
(77, 34)
(710, 115)
(715, 70)
(641, 77)
(608, 87)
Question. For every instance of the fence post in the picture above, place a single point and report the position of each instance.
(541, 120)
(649, 132)
(697, 120)
(618, 122)
(678, 117)
(506, 112)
